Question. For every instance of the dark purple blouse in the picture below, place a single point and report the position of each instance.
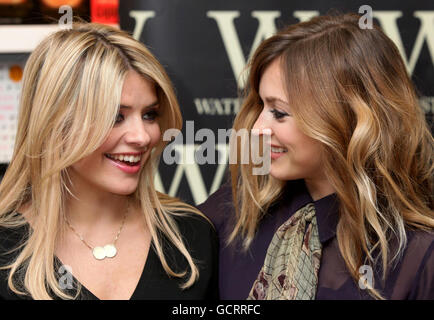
(411, 277)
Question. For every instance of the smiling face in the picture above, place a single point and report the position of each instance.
(294, 155)
(116, 165)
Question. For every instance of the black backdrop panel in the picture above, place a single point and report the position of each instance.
(205, 44)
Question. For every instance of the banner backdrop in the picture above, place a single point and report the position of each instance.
(204, 45)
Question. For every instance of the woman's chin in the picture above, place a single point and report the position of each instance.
(278, 173)
(283, 174)
(125, 191)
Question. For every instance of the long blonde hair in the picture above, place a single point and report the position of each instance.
(348, 88)
(69, 101)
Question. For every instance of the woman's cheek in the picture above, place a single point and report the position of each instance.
(156, 134)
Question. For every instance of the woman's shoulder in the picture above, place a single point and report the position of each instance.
(221, 197)
(16, 230)
(417, 265)
(199, 238)
(11, 237)
(194, 226)
(420, 242)
(185, 215)
(219, 206)
(420, 246)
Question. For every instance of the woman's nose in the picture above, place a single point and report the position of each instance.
(261, 126)
(137, 134)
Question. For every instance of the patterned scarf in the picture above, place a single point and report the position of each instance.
(290, 270)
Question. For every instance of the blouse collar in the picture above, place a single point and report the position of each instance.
(297, 196)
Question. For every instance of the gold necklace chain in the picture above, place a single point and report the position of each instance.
(107, 251)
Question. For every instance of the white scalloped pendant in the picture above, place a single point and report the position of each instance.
(99, 253)
(110, 250)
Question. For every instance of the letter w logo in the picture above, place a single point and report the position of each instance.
(225, 23)
(388, 21)
(267, 27)
(193, 174)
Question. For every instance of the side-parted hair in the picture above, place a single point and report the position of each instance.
(70, 98)
(348, 89)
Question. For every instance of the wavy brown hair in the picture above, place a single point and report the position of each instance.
(348, 88)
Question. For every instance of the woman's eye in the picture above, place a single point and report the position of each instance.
(119, 117)
(151, 115)
(277, 114)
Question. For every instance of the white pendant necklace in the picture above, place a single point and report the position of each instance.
(102, 252)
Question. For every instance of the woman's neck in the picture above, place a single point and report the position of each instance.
(319, 188)
(92, 207)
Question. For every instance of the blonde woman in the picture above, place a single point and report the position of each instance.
(79, 215)
(346, 211)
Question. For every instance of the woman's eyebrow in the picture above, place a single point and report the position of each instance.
(274, 100)
(154, 104)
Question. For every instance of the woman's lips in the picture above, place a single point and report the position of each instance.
(125, 167)
(277, 152)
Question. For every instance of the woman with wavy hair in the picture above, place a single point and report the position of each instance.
(79, 215)
(346, 211)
